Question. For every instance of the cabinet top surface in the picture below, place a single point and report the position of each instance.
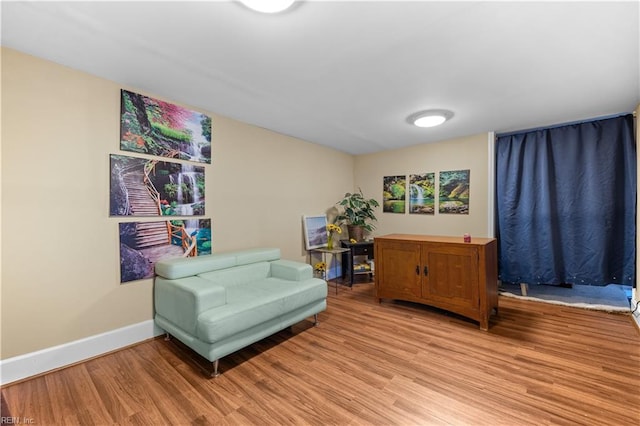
(435, 239)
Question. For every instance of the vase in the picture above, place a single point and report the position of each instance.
(330, 241)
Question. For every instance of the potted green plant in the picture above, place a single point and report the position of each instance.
(357, 214)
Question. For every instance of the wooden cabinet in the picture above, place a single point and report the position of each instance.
(444, 272)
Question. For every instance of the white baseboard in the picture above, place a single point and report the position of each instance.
(34, 363)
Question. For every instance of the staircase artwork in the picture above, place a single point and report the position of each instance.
(153, 188)
(142, 244)
(141, 187)
(140, 200)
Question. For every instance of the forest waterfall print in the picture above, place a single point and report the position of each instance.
(154, 127)
(142, 187)
(422, 193)
(153, 187)
(454, 192)
(393, 194)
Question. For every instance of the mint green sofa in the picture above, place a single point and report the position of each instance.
(220, 303)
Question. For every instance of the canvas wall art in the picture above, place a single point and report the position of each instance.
(454, 192)
(422, 189)
(143, 187)
(142, 244)
(151, 126)
(315, 231)
(393, 194)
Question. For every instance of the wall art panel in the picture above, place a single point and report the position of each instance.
(142, 244)
(393, 194)
(454, 192)
(422, 189)
(151, 187)
(151, 126)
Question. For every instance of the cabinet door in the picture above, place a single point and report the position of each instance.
(451, 278)
(398, 270)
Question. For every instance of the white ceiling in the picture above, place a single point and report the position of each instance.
(347, 74)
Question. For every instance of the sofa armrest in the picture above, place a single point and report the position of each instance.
(291, 270)
(182, 300)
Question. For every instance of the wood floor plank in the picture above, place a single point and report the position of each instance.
(366, 364)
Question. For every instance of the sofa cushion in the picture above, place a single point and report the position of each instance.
(290, 270)
(244, 257)
(238, 275)
(181, 300)
(254, 303)
(181, 267)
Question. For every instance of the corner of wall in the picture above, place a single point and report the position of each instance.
(636, 294)
(491, 184)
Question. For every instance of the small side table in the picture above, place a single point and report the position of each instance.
(362, 248)
(333, 252)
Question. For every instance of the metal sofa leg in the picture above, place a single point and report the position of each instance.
(215, 372)
(315, 320)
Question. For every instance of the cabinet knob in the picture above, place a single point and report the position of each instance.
(426, 270)
(417, 269)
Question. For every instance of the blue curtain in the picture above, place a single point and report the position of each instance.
(566, 204)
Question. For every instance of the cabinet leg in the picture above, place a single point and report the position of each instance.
(484, 323)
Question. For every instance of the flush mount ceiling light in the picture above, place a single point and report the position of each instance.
(268, 6)
(430, 118)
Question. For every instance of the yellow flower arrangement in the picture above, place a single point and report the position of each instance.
(331, 228)
(320, 267)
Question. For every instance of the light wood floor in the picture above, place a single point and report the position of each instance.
(367, 363)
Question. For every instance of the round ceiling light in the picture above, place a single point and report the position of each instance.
(268, 6)
(430, 118)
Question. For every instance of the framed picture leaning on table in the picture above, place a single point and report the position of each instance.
(315, 231)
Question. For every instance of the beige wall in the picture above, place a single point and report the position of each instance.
(464, 153)
(60, 259)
